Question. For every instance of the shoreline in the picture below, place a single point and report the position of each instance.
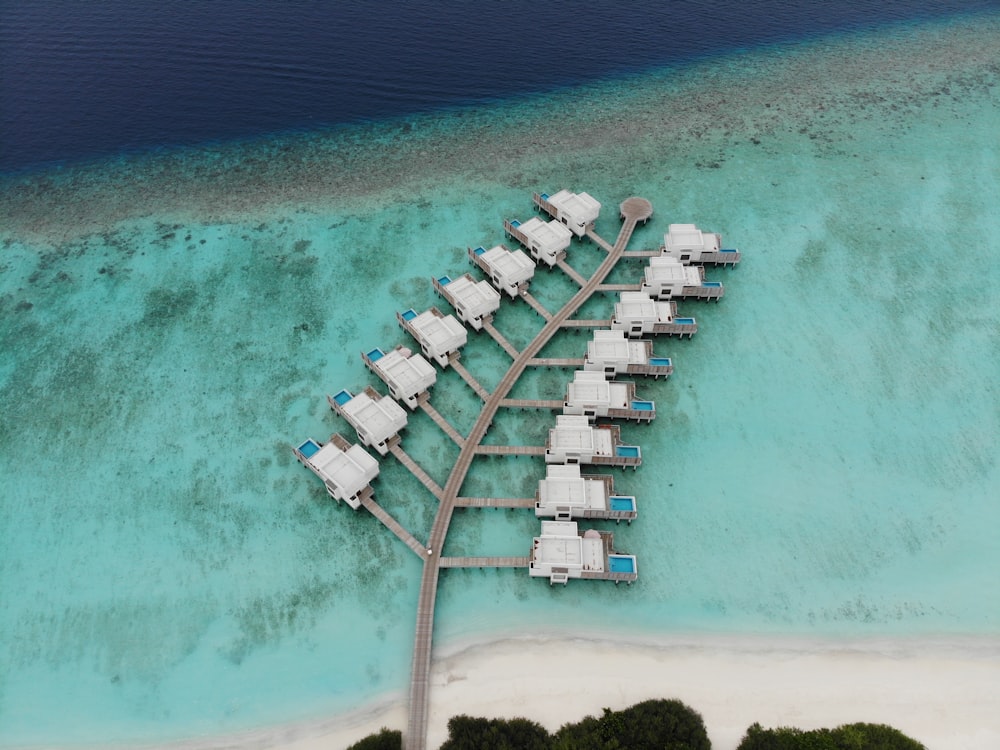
(940, 690)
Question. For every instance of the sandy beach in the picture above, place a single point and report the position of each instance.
(942, 692)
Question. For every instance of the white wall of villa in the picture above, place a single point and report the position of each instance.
(575, 210)
(546, 240)
(687, 243)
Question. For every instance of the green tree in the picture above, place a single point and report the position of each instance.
(385, 739)
(846, 737)
(650, 725)
(469, 733)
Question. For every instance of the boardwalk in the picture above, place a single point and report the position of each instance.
(393, 525)
(404, 458)
(500, 339)
(494, 502)
(633, 210)
(482, 562)
(467, 377)
(439, 420)
(535, 304)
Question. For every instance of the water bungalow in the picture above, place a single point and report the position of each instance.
(440, 336)
(577, 211)
(474, 301)
(636, 313)
(408, 375)
(347, 470)
(612, 353)
(509, 271)
(376, 418)
(667, 278)
(566, 494)
(591, 395)
(563, 552)
(688, 244)
(575, 441)
(547, 242)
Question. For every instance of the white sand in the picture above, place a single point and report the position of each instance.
(944, 692)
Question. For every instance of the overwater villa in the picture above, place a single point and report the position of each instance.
(576, 211)
(408, 375)
(376, 418)
(545, 241)
(566, 494)
(612, 353)
(688, 244)
(667, 278)
(440, 336)
(508, 270)
(591, 395)
(562, 552)
(575, 441)
(347, 470)
(474, 301)
(636, 313)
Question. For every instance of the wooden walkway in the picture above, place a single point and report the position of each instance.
(633, 211)
(500, 339)
(531, 403)
(571, 272)
(393, 525)
(619, 288)
(483, 562)
(641, 254)
(597, 240)
(423, 401)
(425, 479)
(494, 502)
(468, 378)
(556, 362)
(586, 323)
(510, 450)
(535, 304)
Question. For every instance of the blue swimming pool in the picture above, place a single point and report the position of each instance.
(309, 448)
(621, 503)
(660, 361)
(621, 563)
(409, 314)
(712, 284)
(444, 280)
(343, 397)
(643, 406)
(627, 451)
(515, 223)
(479, 250)
(684, 321)
(375, 355)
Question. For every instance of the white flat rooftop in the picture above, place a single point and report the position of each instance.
(407, 372)
(512, 265)
(664, 269)
(477, 297)
(549, 235)
(565, 486)
(379, 419)
(576, 204)
(442, 334)
(560, 545)
(574, 433)
(592, 389)
(349, 471)
(688, 236)
(639, 306)
(613, 346)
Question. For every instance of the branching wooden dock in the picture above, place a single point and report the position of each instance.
(458, 367)
(535, 304)
(393, 525)
(483, 562)
(500, 339)
(425, 479)
(425, 403)
(494, 502)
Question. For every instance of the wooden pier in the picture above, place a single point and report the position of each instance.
(500, 338)
(510, 450)
(424, 402)
(393, 525)
(586, 323)
(619, 288)
(494, 502)
(415, 738)
(556, 362)
(642, 253)
(535, 304)
(469, 379)
(532, 403)
(482, 562)
(415, 469)
(567, 269)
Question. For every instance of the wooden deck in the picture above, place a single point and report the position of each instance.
(393, 525)
(531, 403)
(535, 304)
(500, 339)
(556, 362)
(494, 502)
(425, 403)
(642, 253)
(483, 562)
(415, 738)
(619, 288)
(586, 323)
(468, 378)
(567, 269)
(597, 240)
(425, 479)
(510, 450)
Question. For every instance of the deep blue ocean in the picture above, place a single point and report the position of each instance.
(85, 81)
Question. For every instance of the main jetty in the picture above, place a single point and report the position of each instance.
(561, 551)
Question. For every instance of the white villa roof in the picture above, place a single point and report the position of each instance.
(688, 237)
(514, 266)
(665, 269)
(348, 471)
(592, 389)
(411, 374)
(612, 346)
(378, 419)
(581, 205)
(561, 545)
(552, 235)
(442, 334)
(639, 306)
(565, 486)
(477, 297)
(574, 433)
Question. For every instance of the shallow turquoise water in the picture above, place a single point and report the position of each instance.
(822, 461)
